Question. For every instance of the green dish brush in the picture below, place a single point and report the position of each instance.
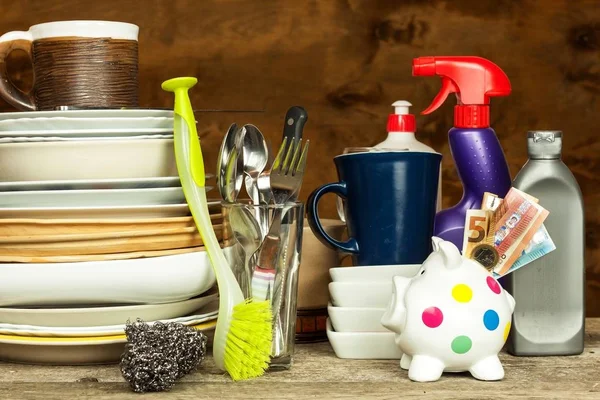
(243, 337)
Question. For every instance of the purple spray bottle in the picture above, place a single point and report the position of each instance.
(476, 151)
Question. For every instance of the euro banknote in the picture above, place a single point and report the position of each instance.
(508, 233)
(540, 245)
(478, 238)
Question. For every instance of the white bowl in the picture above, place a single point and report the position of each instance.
(102, 114)
(356, 319)
(135, 281)
(91, 315)
(89, 184)
(85, 135)
(363, 345)
(105, 159)
(73, 351)
(207, 313)
(92, 197)
(85, 123)
(354, 294)
(373, 273)
(104, 212)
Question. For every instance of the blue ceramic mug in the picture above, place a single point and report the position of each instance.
(390, 205)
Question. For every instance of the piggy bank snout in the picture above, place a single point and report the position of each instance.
(391, 319)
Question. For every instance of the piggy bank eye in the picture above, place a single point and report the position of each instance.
(422, 271)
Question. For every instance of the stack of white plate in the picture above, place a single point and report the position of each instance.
(359, 298)
(94, 224)
(90, 334)
(89, 163)
(52, 162)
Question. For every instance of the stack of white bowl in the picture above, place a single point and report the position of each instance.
(94, 230)
(359, 296)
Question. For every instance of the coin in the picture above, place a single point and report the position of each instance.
(486, 255)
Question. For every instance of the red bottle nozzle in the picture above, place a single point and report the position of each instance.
(473, 79)
(424, 66)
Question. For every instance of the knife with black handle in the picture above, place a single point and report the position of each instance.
(293, 126)
(295, 118)
(270, 272)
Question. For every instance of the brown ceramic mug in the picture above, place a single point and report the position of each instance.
(76, 64)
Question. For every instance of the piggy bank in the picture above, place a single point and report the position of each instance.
(452, 316)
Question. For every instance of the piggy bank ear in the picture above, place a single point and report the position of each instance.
(450, 253)
(436, 243)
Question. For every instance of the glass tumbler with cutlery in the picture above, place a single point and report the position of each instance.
(265, 232)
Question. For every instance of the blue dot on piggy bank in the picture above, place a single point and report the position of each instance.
(491, 320)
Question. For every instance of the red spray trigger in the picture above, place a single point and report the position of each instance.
(473, 79)
(447, 87)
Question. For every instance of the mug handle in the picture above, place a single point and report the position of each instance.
(339, 188)
(10, 41)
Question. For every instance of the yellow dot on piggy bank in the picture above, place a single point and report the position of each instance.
(506, 330)
(462, 293)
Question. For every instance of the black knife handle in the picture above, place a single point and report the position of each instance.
(295, 118)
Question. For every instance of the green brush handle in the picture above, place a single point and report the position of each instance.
(190, 165)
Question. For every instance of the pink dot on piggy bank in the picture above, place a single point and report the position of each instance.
(494, 285)
(432, 317)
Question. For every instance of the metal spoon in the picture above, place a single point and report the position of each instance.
(247, 233)
(229, 167)
(256, 154)
(223, 157)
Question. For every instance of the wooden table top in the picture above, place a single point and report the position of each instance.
(318, 374)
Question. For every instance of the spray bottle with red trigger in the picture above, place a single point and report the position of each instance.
(476, 150)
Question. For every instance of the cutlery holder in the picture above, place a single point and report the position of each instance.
(265, 261)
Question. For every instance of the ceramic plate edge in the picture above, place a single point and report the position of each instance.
(111, 330)
(202, 299)
(79, 341)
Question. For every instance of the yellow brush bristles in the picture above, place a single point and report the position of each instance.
(249, 340)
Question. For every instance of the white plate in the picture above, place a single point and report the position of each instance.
(92, 198)
(90, 132)
(373, 273)
(135, 281)
(104, 113)
(38, 139)
(99, 159)
(356, 294)
(93, 315)
(64, 123)
(207, 313)
(115, 212)
(124, 212)
(363, 345)
(139, 183)
(72, 351)
(356, 319)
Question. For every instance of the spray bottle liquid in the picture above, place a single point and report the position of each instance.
(549, 317)
(476, 151)
(401, 128)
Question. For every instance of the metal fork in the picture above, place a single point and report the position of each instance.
(286, 180)
(286, 175)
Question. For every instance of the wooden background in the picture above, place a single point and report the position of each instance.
(346, 61)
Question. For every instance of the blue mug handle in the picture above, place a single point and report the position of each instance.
(312, 211)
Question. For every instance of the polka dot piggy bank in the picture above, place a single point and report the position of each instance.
(452, 316)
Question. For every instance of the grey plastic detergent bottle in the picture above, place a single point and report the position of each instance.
(549, 317)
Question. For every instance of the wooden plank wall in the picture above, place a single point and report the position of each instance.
(346, 61)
